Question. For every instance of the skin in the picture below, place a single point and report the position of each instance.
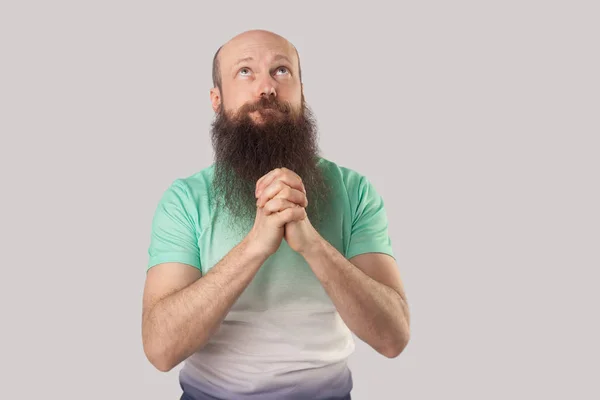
(255, 64)
(182, 309)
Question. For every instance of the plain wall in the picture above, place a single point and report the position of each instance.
(478, 123)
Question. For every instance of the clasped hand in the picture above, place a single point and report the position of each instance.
(281, 213)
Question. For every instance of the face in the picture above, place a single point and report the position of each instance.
(254, 66)
(263, 124)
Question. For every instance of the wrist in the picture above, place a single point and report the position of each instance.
(254, 249)
(315, 249)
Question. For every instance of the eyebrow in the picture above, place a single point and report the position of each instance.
(276, 58)
(241, 60)
(281, 57)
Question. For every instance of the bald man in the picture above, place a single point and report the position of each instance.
(263, 264)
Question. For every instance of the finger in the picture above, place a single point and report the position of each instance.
(293, 195)
(280, 189)
(262, 179)
(269, 192)
(268, 176)
(287, 180)
(288, 176)
(278, 204)
(290, 214)
(268, 179)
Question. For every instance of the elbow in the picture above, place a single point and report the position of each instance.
(163, 365)
(396, 346)
(397, 342)
(164, 358)
(157, 355)
(157, 352)
(392, 351)
(160, 362)
(158, 359)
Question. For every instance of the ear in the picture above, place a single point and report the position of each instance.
(215, 98)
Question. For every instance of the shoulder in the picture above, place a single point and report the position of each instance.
(351, 179)
(188, 195)
(193, 187)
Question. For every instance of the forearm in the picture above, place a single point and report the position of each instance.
(376, 313)
(183, 322)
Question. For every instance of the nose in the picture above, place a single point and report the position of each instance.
(268, 93)
(266, 87)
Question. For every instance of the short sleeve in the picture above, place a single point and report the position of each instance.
(369, 232)
(173, 235)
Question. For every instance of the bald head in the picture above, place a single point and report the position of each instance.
(256, 34)
(261, 48)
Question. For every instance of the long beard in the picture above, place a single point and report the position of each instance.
(245, 151)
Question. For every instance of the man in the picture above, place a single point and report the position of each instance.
(263, 264)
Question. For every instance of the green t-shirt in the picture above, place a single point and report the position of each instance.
(186, 229)
(283, 331)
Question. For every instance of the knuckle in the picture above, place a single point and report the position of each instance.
(269, 206)
(275, 204)
(297, 214)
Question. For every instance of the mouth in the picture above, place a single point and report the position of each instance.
(266, 110)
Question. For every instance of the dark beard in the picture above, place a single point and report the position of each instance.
(245, 151)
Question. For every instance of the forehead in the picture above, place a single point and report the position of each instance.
(261, 48)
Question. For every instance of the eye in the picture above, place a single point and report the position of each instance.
(284, 69)
(244, 71)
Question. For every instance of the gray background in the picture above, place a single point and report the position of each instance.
(477, 122)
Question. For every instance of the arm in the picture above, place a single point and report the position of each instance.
(366, 290)
(181, 310)
(368, 294)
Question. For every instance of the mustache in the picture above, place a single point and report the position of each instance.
(266, 103)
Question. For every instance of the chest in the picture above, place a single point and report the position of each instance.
(285, 280)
